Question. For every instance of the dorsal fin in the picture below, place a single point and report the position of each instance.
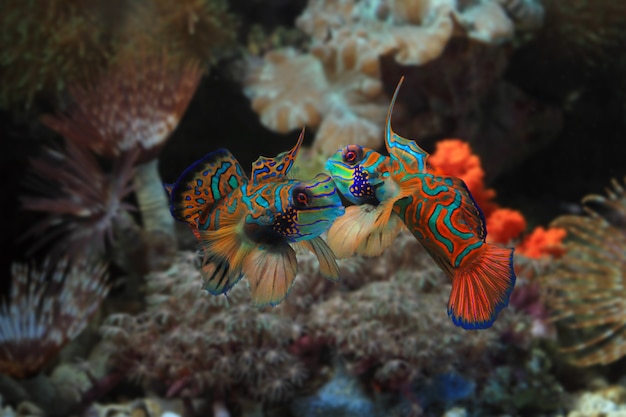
(275, 169)
(202, 184)
(409, 155)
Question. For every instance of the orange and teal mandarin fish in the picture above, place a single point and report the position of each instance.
(247, 227)
(439, 211)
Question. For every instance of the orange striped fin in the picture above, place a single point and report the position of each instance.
(270, 273)
(481, 289)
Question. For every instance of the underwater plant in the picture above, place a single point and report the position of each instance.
(48, 306)
(586, 290)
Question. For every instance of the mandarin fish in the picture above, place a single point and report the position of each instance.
(439, 211)
(248, 227)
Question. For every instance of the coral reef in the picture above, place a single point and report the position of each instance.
(341, 91)
(526, 387)
(343, 395)
(188, 343)
(376, 342)
(585, 288)
(389, 329)
(505, 225)
(135, 105)
(609, 401)
(48, 306)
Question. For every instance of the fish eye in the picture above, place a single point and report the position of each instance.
(352, 154)
(300, 196)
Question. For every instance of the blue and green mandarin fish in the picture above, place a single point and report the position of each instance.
(248, 227)
(396, 190)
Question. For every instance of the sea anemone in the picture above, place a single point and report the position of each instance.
(48, 306)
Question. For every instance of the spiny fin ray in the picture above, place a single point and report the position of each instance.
(275, 169)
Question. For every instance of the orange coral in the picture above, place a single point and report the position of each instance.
(543, 242)
(455, 158)
(505, 225)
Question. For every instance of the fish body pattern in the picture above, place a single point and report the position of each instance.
(438, 210)
(248, 227)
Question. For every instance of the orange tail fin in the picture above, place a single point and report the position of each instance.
(482, 288)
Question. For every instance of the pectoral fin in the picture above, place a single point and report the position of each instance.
(325, 257)
(363, 230)
(270, 272)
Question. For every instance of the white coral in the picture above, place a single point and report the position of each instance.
(336, 86)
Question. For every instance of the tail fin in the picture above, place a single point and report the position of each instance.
(325, 256)
(482, 288)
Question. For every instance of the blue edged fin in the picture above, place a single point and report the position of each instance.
(409, 155)
(202, 184)
(275, 169)
(482, 289)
